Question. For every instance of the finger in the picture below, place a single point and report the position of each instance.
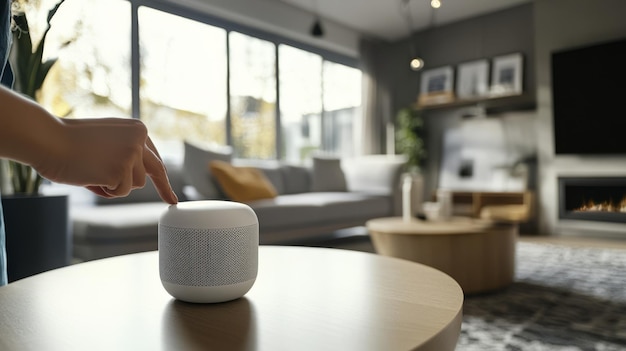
(153, 148)
(122, 188)
(139, 176)
(98, 191)
(156, 170)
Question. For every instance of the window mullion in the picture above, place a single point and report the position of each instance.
(277, 107)
(135, 61)
(229, 134)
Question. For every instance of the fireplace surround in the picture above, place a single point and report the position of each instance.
(593, 198)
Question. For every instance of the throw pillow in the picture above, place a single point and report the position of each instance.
(242, 184)
(196, 171)
(327, 175)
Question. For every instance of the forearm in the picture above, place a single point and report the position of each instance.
(27, 131)
(110, 156)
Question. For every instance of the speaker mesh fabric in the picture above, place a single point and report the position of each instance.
(208, 257)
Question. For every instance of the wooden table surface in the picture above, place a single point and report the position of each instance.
(304, 299)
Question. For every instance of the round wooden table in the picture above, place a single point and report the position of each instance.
(478, 254)
(304, 299)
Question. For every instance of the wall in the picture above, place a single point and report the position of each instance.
(583, 22)
(487, 36)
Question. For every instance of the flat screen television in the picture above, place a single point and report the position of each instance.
(589, 99)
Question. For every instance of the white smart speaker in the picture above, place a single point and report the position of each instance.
(208, 250)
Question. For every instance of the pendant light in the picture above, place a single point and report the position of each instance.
(316, 29)
(416, 63)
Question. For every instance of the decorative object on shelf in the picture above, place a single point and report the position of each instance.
(436, 86)
(472, 79)
(506, 75)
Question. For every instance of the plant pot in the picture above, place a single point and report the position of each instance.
(37, 235)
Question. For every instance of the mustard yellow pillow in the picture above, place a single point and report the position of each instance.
(242, 184)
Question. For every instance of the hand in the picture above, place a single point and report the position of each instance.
(109, 156)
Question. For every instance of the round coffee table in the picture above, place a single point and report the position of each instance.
(303, 299)
(478, 254)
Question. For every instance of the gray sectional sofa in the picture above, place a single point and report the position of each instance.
(312, 201)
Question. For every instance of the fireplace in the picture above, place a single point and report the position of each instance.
(593, 198)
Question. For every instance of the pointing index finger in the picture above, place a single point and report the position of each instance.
(156, 170)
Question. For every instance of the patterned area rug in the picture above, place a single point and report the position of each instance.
(564, 298)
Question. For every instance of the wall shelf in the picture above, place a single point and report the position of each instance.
(491, 104)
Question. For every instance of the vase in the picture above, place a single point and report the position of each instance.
(412, 194)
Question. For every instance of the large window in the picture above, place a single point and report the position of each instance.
(319, 102)
(189, 80)
(92, 75)
(182, 80)
(300, 102)
(342, 107)
(252, 96)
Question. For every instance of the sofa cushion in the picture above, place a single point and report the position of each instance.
(123, 222)
(271, 169)
(297, 179)
(196, 168)
(315, 209)
(374, 173)
(327, 175)
(242, 184)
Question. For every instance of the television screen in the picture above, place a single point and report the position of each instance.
(589, 99)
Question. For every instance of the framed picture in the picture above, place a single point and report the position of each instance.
(436, 86)
(472, 80)
(436, 81)
(506, 75)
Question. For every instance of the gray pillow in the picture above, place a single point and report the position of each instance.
(196, 168)
(297, 179)
(327, 175)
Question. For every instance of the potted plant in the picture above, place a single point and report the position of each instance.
(410, 142)
(409, 138)
(37, 235)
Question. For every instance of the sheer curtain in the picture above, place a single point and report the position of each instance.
(376, 104)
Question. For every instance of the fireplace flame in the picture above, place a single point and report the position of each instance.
(605, 206)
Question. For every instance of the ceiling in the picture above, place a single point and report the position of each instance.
(387, 19)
